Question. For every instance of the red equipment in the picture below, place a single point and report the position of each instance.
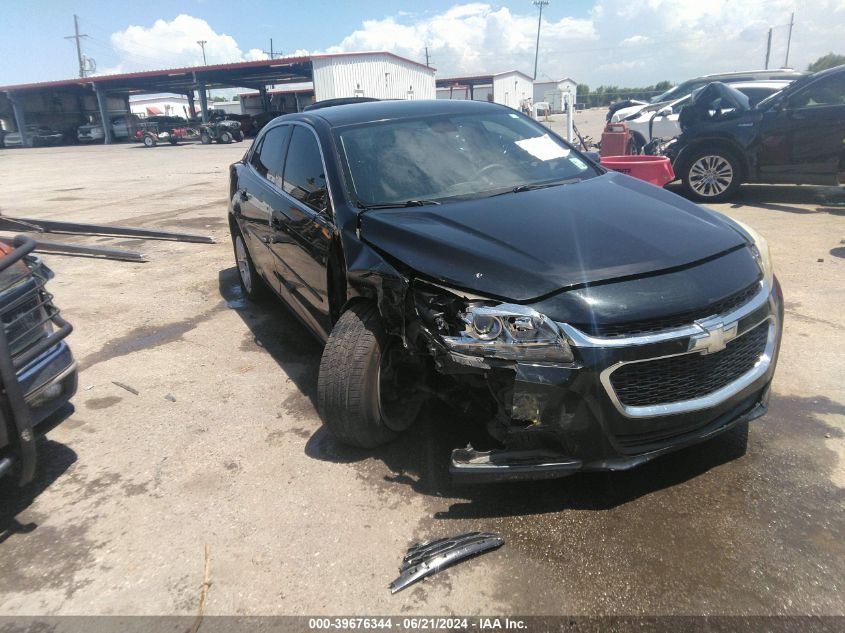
(616, 140)
(656, 170)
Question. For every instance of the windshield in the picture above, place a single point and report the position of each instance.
(442, 157)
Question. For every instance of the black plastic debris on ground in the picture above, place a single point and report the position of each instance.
(425, 559)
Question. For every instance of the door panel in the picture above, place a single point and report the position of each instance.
(302, 228)
(259, 196)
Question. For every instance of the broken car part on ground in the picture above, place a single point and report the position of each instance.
(460, 250)
(425, 559)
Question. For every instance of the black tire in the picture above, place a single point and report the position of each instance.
(239, 136)
(252, 285)
(205, 139)
(225, 137)
(149, 141)
(710, 174)
(348, 390)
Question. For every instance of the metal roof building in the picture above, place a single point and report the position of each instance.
(68, 103)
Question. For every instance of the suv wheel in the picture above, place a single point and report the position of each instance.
(369, 385)
(711, 175)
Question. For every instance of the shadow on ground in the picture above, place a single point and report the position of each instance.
(785, 198)
(53, 460)
(274, 328)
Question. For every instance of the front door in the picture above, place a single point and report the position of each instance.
(257, 197)
(302, 225)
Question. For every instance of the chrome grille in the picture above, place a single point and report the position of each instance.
(689, 376)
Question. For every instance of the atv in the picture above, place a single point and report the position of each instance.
(221, 131)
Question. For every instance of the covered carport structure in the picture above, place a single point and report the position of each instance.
(467, 83)
(68, 102)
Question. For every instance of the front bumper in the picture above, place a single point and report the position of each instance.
(577, 422)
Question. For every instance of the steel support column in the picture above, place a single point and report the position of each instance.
(103, 104)
(192, 112)
(20, 119)
(265, 103)
(203, 100)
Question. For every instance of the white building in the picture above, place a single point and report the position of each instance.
(160, 104)
(380, 75)
(511, 88)
(552, 92)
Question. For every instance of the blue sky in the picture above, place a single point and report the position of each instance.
(595, 41)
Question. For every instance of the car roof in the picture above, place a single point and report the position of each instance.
(772, 73)
(355, 113)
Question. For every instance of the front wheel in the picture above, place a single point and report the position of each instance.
(149, 141)
(711, 175)
(225, 137)
(205, 139)
(369, 389)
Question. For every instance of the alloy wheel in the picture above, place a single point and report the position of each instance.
(711, 175)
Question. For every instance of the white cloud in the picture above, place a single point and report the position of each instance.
(170, 44)
(469, 38)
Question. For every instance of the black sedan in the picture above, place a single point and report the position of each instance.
(461, 251)
(796, 136)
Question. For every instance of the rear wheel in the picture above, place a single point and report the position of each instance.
(149, 141)
(711, 175)
(369, 385)
(252, 285)
(225, 137)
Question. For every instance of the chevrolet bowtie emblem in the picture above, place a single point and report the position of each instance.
(714, 338)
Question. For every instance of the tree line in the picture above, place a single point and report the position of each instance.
(605, 95)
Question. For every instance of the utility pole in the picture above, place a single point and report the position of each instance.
(426, 57)
(789, 39)
(77, 36)
(271, 53)
(541, 4)
(202, 44)
(768, 48)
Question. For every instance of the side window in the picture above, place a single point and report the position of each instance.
(269, 158)
(305, 179)
(825, 92)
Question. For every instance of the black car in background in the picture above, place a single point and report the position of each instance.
(796, 136)
(37, 370)
(460, 250)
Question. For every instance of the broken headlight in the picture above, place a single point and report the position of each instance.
(510, 332)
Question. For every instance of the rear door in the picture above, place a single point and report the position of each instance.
(802, 141)
(302, 227)
(260, 190)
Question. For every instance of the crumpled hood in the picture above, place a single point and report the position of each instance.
(526, 245)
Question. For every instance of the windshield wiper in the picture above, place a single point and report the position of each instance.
(398, 205)
(539, 185)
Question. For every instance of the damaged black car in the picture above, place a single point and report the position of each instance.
(462, 251)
